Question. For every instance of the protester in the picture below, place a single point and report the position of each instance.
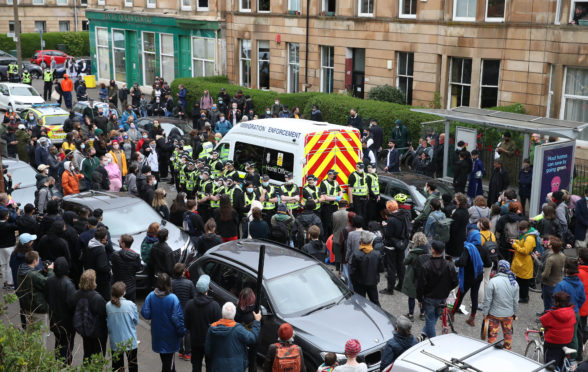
(559, 324)
(184, 289)
(352, 350)
(284, 355)
(90, 316)
(122, 318)
(125, 265)
(402, 341)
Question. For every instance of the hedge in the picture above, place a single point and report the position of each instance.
(77, 43)
(335, 107)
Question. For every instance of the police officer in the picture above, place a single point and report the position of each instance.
(252, 175)
(374, 193)
(182, 168)
(358, 190)
(13, 75)
(205, 189)
(251, 193)
(330, 194)
(207, 148)
(191, 175)
(26, 77)
(47, 83)
(233, 189)
(290, 194)
(218, 189)
(176, 159)
(229, 169)
(215, 165)
(268, 197)
(311, 192)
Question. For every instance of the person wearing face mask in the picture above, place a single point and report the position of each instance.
(22, 137)
(42, 151)
(206, 101)
(101, 121)
(31, 121)
(251, 194)
(507, 150)
(267, 113)
(234, 116)
(316, 114)
(70, 179)
(223, 95)
(202, 120)
(113, 93)
(128, 113)
(218, 189)
(229, 169)
(358, 190)
(89, 165)
(277, 108)
(373, 193)
(190, 178)
(148, 189)
(290, 194)
(216, 165)
(142, 141)
(311, 192)
(152, 159)
(252, 175)
(118, 158)
(268, 197)
(330, 195)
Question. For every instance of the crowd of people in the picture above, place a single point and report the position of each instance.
(457, 244)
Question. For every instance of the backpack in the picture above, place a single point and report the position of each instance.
(188, 225)
(301, 235)
(287, 358)
(279, 232)
(491, 247)
(511, 230)
(84, 322)
(442, 228)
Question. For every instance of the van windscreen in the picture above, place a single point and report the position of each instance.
(274, 163)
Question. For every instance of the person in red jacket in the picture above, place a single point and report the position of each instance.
(559, 324)
(583, 275)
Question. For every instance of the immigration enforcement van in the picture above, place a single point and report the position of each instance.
(281, 145)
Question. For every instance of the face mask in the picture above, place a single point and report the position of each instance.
(82, 146)
(220, 101)
(250, 190)
(214, 107)
(152, 147)
(458, 148)
(268, 112)
(219, 183)
(145, 137)
(310, 183)
(277, 102)
(125, 137)
(200, 176)
(100, 114)
(202, 116)
(222, 118)
(372, 170)
(154, 182)
(425, 190)
(115, 147)
(360, 171)
(31, 117)
(51, 186)
(267, 184)
(289, 182)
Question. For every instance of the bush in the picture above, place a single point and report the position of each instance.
(387, 93)
(78, 43)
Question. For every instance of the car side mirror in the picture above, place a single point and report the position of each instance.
(264, 311)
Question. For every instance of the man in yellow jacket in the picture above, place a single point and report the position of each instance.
(522, 262)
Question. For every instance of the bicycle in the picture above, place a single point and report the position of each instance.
(535, 351)
(446, 321)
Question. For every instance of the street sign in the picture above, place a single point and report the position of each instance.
(42, 43)
(10, 34)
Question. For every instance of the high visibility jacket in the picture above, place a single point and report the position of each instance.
(13, 68)
(202, 187)
(292, 192)
(213, 165)
(360, 187)
(183, 170)
(26, 77)
(332, 190)
(249, 198)
(229, 173)
(374, 184)
(188, 148)
(270, 194)
(206, 150)
(314, 194)
(216, 190)
(48, 76)
(224, 153)
(191, 179)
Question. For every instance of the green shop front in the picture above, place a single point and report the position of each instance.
(132, 48)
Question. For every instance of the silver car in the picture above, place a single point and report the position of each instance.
(454, 352)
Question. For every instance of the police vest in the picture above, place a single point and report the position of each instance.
(183, 170)
(293, 190)
(375, 185)
(48, 76)
(13, 68)
(189, 149)
(267, 205)
(202, 188)
(224, 153)
(216, 190)
(360, 187)
(206, 150)
(213, 168)
(26, 77)
(249, 199)
(331, 190)
(313, 191)
(229, 173)
(191, 180)
(232, 193)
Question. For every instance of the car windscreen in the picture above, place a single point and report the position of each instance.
(302, 291)
(55, 119)
(23, 91)
(23, 175)
(119, 222)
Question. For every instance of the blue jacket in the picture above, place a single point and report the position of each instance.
(573, 286)
(226, 345)
(395, 347)
(122, 323)
(167, 321)
(41, 155)
(223, 127)
(182, 96)
(126, 115)
(475, 184)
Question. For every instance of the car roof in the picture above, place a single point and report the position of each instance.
(50, 110)
(14, 85)
(102, 199)
(49, 50)
(299, 125)
(13, 163)
(279, 259)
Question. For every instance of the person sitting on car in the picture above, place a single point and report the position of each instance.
(402, 341)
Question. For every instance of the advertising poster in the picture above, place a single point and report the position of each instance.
(467, 135)
(553, 171)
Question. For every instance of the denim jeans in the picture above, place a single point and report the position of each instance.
(347, 275)
(143, 113)
(432, 307)
(547, 293)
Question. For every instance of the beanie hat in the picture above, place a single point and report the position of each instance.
(285, 332)
(203, 283)
(352, 348)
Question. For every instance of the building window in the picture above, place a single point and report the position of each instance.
(149, 62)
(63, 26)
(10, 2)
(85, 25)
(245, 63)
(578, 10)
(263, 59)
(100, 2)
(151, 3)
(263, 5)
(83, 2)
(495, 10)
(464, 10)
(460, 76)
(293, 6)
(118, 55)
(407, 8)
(38, 2)
(366, 8)
(62, 2)
(11, 26)
(404, 75)
(329, 7)
(129, 3)
(202, 5)
(327, 68)
(293, 67)
(203, 52)
(575, 98)
(40, 26)
(186, 5)
(549, 112)
(245, 5)
(166, 57)
(103, 54)
(489, 83)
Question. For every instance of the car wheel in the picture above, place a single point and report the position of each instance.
(35, 75)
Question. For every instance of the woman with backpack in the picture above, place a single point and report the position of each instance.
(284, 355)
(507, 228)
(90, 316)
(489, 253)
(479, 210)
(548, 225)
(122, 318)
(409, 284)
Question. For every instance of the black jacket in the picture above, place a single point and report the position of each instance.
(160, 259)
(95, 257)
(125, 264)
(199, 314)
(397, 229)
(60, 295)
(316, 249)
(51, 246)
(7, 237)
(27, 224)
(498, 183)
(184, 289)
(366, 267)
(307, 219)
(457, 232)
(208, 241)
(436, 277)
(461, 172)
(97, 307)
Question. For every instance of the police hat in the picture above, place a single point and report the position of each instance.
(312, 177)
(229, 162)
(265, 177)
(332, 172)
(214, 152)
(371, 165)
(289, 175)
(184, 156)
(236, 177)
(205, 171)
(360, 165)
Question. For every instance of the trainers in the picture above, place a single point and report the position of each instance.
(422, 316)
(181, 356)
(387, 291)
(187, 357)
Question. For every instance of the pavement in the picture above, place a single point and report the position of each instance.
(396, 304)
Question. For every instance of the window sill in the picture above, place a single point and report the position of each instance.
(367, 15)
(186, 8)
(201, 9)
(327, 14)
(151, 6)
(293, 12)
(464, 19)
(245, 10)
(264, 11)
(494, 20)
(127, 5)
(407, 16)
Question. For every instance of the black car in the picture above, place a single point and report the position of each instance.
(35, 71)
(127, 214)
(22, 173)
(145, 124)
(299, 290)
(4, 62)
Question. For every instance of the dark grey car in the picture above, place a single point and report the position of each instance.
(301, 291)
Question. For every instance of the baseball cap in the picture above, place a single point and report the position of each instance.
(265, 177)
(26, 238)
(42, 167)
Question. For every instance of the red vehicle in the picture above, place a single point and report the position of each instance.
(45, 55)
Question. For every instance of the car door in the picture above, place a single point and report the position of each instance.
(4, 96)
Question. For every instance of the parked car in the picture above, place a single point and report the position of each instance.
(127, 214)
(5, 54)
(35, 71)
(81, 108)
(53, 118)
(4, 62)
(410, 184)
(302, 291)
(167, 124)
(47, 54)
(18, 96)
(453, 352)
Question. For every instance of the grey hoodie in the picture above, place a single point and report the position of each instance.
(501, 298)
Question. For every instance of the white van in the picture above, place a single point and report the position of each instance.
(302, 147)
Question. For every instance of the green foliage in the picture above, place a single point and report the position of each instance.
(436, 102)
(387, 93)
(516, 108)
(78, 43)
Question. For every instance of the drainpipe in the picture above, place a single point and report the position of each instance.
(75, 15)
(306, 54)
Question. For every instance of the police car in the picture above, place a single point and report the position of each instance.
(53, 118)
(18, 96)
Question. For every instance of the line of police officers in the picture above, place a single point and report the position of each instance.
(14, 77)
(207, 178)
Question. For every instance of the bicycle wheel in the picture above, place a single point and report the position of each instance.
(534, 351)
